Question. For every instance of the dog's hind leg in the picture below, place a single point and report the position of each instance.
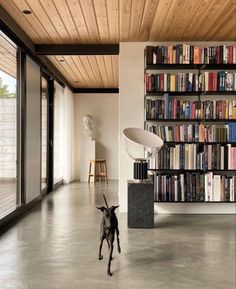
(118, 240)
(108, 244)
(100, 257)
(110, 257)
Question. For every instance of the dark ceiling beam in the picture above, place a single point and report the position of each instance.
(22, 40)
(77, 49)
(96, 90)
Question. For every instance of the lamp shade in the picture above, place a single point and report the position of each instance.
(141, 144)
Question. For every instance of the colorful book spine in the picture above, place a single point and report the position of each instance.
(194, 132)
(190, 54)
(195, 187)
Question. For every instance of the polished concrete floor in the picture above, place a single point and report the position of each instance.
(7, 198)
(55, 246)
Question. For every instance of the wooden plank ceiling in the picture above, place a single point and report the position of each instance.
(93, 71)
(112, 21)
(7, 56)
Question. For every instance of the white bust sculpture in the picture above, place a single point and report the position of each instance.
(88, 126)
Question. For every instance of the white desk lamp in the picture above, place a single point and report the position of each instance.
(141, 145)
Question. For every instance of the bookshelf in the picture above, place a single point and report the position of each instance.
(190, 102)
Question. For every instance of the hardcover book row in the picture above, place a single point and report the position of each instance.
(217, 81)
(195, 188)
(190, 54)
(174, 108)
(195, 157)
(190, 82)
(194, 132)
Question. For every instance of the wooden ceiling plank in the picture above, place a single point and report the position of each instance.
(148, 18)
(7, 56)
(70, 67)
(6, 51)
(102, 68)
(7, 71)
(102, 20)
(96, 71)
(80, 80)
(45, 21)
(89, 71)
(33, 20)
(217, 24)
(125, 15)
(74, 59)
(62, 68)
(173, 12)
(71, 75)
(227, 31)
(17, 15)
(136, 19)
(76, 12)
(67, 19)
(206, 18)
(79, 64)
(179, 28)
(108, 64)
(192, 18)
(201, 11)
(115, 65)
(8, 62)
(9, 59)
(52, 13)
(113, 20)
(159, 19)
(5, 67)
(90, 19)
(9, 65)
(5, 42)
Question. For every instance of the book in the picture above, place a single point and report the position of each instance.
(190, 54)
(195, 187)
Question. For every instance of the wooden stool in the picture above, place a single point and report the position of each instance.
(102, 170)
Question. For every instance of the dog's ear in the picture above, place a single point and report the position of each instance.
(114, 207)
(101, 208)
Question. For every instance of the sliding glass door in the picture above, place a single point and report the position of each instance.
(44, 135)
(8, 126)
(58, 139)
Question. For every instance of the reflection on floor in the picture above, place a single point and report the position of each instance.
(55, 246)
(7, 198)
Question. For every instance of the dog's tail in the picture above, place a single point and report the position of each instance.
(105, 201)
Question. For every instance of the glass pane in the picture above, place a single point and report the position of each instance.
(44, 132)
(8, 126)
(58, 133)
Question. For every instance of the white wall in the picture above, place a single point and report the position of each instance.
(104, 109)
(131, 114)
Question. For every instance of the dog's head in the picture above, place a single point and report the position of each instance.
(108, 214)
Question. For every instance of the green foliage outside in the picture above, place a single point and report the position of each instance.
(4, 92)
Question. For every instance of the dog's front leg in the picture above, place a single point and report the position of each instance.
(100, 257)
(118, 240)
(111, 240)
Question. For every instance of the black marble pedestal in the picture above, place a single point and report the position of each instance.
(140, 204)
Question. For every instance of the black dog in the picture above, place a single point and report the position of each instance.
(109, 226)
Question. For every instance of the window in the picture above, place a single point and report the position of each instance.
(8, 126)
